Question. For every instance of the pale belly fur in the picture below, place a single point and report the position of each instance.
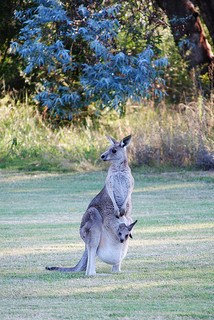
(110, 250)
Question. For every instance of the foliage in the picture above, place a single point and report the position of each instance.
(107, 76)
(141, 25)
(10, 66)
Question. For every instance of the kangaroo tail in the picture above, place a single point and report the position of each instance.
(81, 265)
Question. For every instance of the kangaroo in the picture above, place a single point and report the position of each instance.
(108, 214)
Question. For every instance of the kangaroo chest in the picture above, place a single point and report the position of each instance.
(120, 186)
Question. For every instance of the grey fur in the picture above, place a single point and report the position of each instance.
(108, 214)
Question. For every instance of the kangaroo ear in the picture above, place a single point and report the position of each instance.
(131, 225)
(112, 140)
(125, 141)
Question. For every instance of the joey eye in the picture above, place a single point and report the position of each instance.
(114, 150)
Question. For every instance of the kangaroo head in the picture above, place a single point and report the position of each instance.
(124, 231)
(117, 150)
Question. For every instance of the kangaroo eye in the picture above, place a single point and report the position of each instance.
(126, 236)
(114, 150)
(119, 233)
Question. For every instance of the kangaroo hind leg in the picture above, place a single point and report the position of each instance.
(90, 231)
(116, 267)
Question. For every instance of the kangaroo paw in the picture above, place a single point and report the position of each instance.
(117, 213)
(122, 212)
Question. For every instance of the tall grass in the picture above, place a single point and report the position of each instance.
(161, 137)
(183, 138)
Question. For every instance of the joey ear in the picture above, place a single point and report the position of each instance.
(131, 225)
(125, 141)
(112, 140)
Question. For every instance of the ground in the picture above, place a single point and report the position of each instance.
(168, 271)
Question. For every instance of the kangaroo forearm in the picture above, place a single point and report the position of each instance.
(109, 187)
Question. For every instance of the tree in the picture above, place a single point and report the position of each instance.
(9, 66)
(187, 28)
(141, 24)
(207, 12)
(74, 52)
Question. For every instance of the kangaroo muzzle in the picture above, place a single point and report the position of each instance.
(103, 157)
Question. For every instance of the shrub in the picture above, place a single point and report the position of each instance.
(50, 43)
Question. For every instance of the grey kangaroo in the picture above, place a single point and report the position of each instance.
(106, 224)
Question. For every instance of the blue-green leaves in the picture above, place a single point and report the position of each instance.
(105, 76)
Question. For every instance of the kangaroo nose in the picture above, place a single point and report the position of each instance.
(121, 240)
(102, 157)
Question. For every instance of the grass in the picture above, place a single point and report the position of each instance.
(167, 274)
(161, 138)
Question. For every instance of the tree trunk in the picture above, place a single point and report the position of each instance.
(207, 12)
(187, 30)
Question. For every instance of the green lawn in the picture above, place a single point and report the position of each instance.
(169, 269)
